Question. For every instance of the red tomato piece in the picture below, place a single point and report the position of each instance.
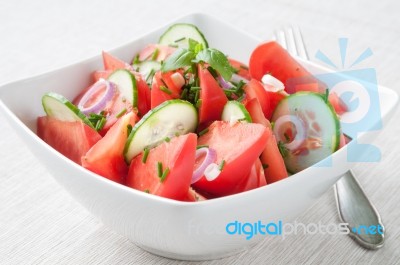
(193, 196)
(177, 156)
(239, 145)
(160, 92)
(272, 159)
(144, 103)
(106, 156)
(270, 57)
(255, 89)
(155, 52)
(256, 177)
(213, 98)
(242, 69)
(113, 63)
(101, 74)
(257, 116)
(72, 139)
(338, 105)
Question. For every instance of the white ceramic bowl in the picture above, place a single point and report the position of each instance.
(191, 231)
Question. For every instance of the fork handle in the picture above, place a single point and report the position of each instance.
(358, 212)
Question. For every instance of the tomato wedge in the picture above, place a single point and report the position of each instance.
(270, 57)
(177, 157)
(113, 63)
(72, 139)
(155, 52)
(272, 160)
(241, 68)
(163, 89)
(271, 157)
(212, 96)
(338, 105)
(255, 89)
(106, 156)
(256, 177)
(239, 145)
(257, 116)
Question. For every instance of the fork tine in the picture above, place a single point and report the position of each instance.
(281, 38)
(300, 45)
(291, 39)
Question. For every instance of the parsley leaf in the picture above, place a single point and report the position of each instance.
(216, 60)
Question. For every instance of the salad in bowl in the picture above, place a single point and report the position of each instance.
(184, 121)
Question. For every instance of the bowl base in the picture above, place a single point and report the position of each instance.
(201, 257)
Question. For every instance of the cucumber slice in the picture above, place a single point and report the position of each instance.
(180, 33)
(126, 84)
(169, 119)
(235, 111)
(322, 129)
(57, 106)
(147, 69)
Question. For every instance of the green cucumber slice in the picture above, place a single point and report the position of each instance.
(147, 69)
(235, 111)
(167, 120)
(321, 126)
(126, 84)
(57, 106)
(179, 35)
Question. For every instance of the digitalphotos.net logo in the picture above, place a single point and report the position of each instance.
(249, 230)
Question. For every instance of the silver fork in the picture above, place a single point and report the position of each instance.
(354, 207)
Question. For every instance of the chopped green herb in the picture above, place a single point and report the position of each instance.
(244, 67)
(136, 59)
(265, 166)
(221, 166)
(198, 103)
(196, 96)
(287, 138)
(282, 149)
(100, 124)
(155, 54)
(150, 76)
(326, 95)
(184, 94)
(159, 169)
(129, 127)
(181, 39)
(122, 112)
(147, 191)
(240, 99)
(201, 146)
(177, 134)
(173, 45)
(212, 71)
(165, 90)
(164, 174)
(272, 125)
(195, 88)
(167, 139)
(145, 155)
(203, 132)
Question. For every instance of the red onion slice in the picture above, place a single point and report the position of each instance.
(212, 172)
(237, 78)
(300, 130)
(272, 84)
(209, 158)
(101, 103)
(224, 84)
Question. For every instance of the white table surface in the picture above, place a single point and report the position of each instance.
(41, 224)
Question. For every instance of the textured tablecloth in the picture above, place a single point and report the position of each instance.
(40, 223)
